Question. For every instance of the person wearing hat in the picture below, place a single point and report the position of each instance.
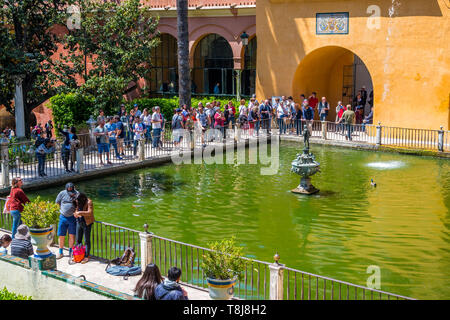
(21, 244)
(137, 112)
(41, 152)
(67, 222)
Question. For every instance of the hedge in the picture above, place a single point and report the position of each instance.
(75, 109)
(7, 295)
(168, 105)
(71, 109)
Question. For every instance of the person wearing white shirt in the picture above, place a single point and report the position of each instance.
(156, 125)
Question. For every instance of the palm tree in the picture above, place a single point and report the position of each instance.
(184, 82)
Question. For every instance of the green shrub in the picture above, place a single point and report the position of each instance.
(224, 262)
(40, 214)
(71, 109)
(7, 295)
(106, 93)
(168, 105)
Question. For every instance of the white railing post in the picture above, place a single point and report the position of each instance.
(441, 139)
(5, 162)
(141, 149)
(146, 248)
(80, 164)
(276, 279)
(324, 130)
(378, 138)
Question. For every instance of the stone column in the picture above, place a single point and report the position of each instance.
(324, 130)
(146, 249)
(441, 139)
(4, 162)
(19, 111)
(80, 164)
(141, 149)
(378, 138)
(238, 84)
(276, 280)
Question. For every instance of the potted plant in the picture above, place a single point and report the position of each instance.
(223, 266)
(41, 218)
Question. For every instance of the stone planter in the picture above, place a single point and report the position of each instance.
(221, 289)
(42, 238)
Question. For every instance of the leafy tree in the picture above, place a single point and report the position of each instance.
(111, 49)
(183, 53)
(26, 47)
(71, 109)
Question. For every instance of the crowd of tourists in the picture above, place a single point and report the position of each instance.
(126, 128)
(75, 219)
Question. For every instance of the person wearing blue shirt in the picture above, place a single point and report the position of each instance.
(308, 115)
(112, 133)
(217, 88)
(137, 112)
(170, 289)
(66, 147)
(265, 110)
(41, 153)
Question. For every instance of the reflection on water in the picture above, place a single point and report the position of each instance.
(386, 165)
(402, 226)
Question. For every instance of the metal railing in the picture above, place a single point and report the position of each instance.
(302, 285)
(167, 253)
(23, 162)
(109, 241)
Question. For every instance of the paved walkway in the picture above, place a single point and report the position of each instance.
(94, 271)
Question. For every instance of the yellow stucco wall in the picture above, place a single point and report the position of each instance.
(408, 56)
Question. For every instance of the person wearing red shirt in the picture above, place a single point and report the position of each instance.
(313, 101)
(219, 122)
(15, 203)
(232, 116)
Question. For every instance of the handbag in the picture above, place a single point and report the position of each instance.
(78, 254)
(7, 206)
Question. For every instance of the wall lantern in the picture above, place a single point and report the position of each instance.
(244, 38)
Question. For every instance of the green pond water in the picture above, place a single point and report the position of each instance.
(401, 226)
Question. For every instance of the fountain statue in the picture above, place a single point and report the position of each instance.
(305, 165)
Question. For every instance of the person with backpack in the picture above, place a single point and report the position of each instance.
(139, 133)
(120, 133)
(84, 216)
(67, 221)
(48, 129)
(111, 129)
(170, 289)
(42, 150)
(67, 146)
(146, 286)
(177, 128)
(15, 202)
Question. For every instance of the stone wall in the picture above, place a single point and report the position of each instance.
(18, 277)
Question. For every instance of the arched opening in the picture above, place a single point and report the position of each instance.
(164, 66)
(249, 70)
(213, 64)
(335, 73)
